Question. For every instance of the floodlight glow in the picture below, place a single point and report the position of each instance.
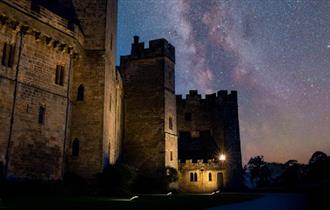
(222, 157)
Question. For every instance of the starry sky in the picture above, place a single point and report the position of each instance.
(276, 53)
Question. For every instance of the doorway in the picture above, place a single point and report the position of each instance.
(220, 180)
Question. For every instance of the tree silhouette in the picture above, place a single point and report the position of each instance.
(259, 170)
(319, 167)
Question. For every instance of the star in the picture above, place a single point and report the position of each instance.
(252, 47)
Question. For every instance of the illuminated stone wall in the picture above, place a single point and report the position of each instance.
(41, 41)
(209, 127)
(95, 122)
(150, 137)
(81, 37)
(201, 176)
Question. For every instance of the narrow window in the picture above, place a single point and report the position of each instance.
(8, 55)
(80, 95)
(75, 148)
(170, 76)
(195, 177)
(170, 123)
(187, 116)
(111, 40)
(110, 102)
(210, 177)
(41, 118)
(191, 177)
(171, 155)
(59, 75)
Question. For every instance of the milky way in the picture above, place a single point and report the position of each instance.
(275, 53)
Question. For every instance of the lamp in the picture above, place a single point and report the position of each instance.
(222, 157)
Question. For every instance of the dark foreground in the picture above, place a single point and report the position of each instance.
(224, 201)
(145, 202)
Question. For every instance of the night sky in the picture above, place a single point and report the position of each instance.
(275, 53)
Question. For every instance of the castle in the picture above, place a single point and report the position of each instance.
(66, 108)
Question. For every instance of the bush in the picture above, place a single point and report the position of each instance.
(157, 182)
(74, 184)
(2, 178)
(117, 180)
(172, 177)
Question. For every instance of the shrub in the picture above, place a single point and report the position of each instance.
(117, 180)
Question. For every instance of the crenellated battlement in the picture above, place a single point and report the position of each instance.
(157, 47)
(219, 97)
(198, 164)
(48, 13)
(51, 35)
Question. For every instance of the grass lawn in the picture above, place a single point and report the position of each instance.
(145, 202)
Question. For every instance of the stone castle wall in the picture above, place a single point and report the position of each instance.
(86, 49)
(209, 127)
(32, 149)
(95, 123)
(207, 176)
(149, 139)
(137, 117)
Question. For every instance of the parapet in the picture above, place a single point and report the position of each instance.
(56, 13)
(52, 13)
(193, 95)
(157, 47)
(219, 97)
(198, 164)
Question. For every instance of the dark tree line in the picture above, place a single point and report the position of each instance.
(290, 175)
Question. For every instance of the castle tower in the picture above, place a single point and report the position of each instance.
(232, 141)
(150, 136)
(209, 127)
(95, 125)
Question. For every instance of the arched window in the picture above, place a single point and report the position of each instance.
(191, 177)
(210, 177)
(195, 177)
(80, 95)
(75, 148)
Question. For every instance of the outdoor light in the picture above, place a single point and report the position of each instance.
(222, 157)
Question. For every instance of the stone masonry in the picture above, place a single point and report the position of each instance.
(209, 127)
(66, 108)
(39, 111)
(150, 137)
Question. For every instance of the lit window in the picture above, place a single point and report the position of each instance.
(195, 177)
